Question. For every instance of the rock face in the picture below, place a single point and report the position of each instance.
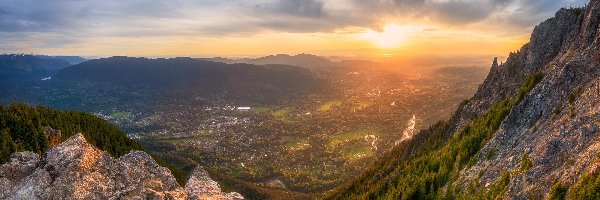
(200, 186)
(53, 136)
(557, 125)
(77, 170)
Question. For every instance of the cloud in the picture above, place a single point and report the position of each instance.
(299, 8)
(463, 12)
(81, 20)
(525, 13)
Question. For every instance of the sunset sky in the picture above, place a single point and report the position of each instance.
(240, 28)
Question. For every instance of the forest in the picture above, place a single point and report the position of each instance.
(23, 127)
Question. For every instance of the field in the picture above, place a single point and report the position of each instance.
(121, 115)
(329, 105)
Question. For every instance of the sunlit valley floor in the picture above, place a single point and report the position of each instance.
(312, 143)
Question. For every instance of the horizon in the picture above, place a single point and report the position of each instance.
(389, 61)
(250, 29)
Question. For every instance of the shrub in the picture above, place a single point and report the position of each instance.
(588, 187)
(558, 191)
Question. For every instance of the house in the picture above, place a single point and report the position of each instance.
(244, 108)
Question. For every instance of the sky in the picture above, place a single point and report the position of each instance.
(249, 28)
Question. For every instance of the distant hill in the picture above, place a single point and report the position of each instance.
(13, 66)
(142, 81)
(300, 60)
(19, 74)
(73, 60)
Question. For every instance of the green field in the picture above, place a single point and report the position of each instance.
(202, 132)
(344, 143)
(121, 115)
(354, 135)
(363, 104)
(282, 113)
(330, 104)
(260, 109)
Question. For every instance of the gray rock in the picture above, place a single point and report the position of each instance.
(77, 170)
(561, 145)
(200, 186)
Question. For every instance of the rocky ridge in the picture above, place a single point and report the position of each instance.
(553, 135)
(77, 170)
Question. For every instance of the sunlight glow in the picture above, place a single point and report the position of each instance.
(392, 35)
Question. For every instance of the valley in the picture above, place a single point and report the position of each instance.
(310, 144)
(301, 130)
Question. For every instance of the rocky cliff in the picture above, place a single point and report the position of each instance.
(531, 131)
(77, 170)
(553, 135)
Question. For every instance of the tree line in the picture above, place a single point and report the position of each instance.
(22, 129)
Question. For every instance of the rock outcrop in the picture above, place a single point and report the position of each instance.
(200, 186)
(556, 127)
(77, 170)
(53, 136)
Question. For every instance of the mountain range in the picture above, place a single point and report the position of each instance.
(301, 60)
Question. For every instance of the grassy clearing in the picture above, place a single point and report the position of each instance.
(281, 113)
(260, 109)
(202, 132)
(344, 143)
(354, 135)
(121, 115)
(363, 104)
(329, 105)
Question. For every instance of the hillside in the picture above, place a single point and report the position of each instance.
(16, 64)
(530, 131)
(141, 81)
(73, 60)
(301, 60)
(20, 74)
(26, 128)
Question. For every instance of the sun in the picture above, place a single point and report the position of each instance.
(392, 35)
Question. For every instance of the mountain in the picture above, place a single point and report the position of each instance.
(73, 60)
(143, 82)
(77, 170)
(532, 130)
(19, 74)
(301, 60)
(17, 66)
